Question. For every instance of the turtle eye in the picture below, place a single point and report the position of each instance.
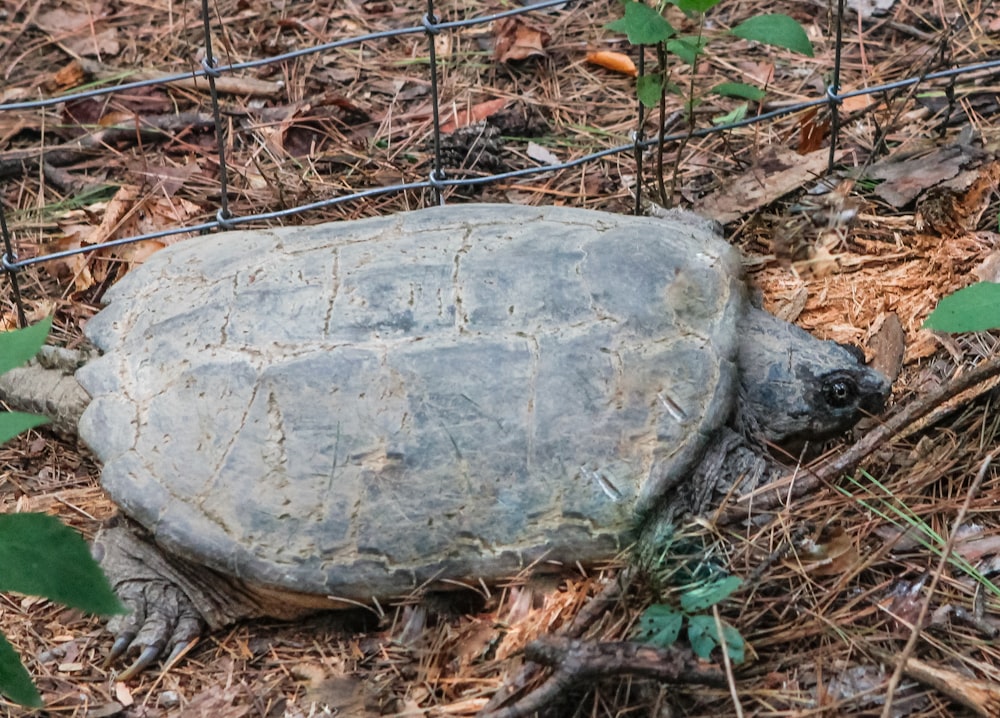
(840, 392)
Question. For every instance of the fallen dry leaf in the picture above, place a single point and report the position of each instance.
(517, 40)
(76, 30)
(887, 346)
(761, 73)
(811, 132)
(476, 113)
(617, 61)
(67, 77)
(777, 172)
(856, 103)
(831, 554)
(542, 154)
(907, 179)
(129, 212)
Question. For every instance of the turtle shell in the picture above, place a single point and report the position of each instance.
(358, 408)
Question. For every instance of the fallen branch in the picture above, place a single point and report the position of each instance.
(578, 662)
(594, 608)
(16, 162)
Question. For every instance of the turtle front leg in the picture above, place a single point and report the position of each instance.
(170, 601)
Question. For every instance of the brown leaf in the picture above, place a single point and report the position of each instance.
(811, 133)
(903, 601)
(80, 31)
(128, 213)
(907, 179)
(856, 103)
(776, 173)
(68, 77)
(617, 61)
(164, 179)
(515, 39)
(888, 346)
(832, 553)
(476, 113)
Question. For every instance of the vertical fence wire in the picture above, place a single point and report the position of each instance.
(436, 174)
(833, 89)
(211, 67)
(8, 261)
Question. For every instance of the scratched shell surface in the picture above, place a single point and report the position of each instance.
(356, 408)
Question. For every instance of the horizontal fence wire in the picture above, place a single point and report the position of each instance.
(437, 179)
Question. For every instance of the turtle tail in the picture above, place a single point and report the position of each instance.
(46, 386)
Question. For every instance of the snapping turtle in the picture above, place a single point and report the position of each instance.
(358, 409)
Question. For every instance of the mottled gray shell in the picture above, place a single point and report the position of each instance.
(356, 408)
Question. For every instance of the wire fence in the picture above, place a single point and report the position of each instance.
(437, 179)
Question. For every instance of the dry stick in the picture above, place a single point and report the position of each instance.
(579, 661)
(146, 128)
(226, 83)
(771, 496)
(587, 615)
(17, 162)
(938, 571)
(981, 697)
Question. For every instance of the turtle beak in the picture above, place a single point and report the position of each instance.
(874, 388)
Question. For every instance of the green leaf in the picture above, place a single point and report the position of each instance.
(973, 309)
(700, 6)
(777, 30)
(739, 89)
(659, 625)
(704, 637)
(19, 345)
(15, 683)
(642, 24)
(42, 557)
(707, 595)
(701, 635)
(649, 88)
(675, 89)
(737, 114)
(687, 49)
(736, 647)
(13, 423)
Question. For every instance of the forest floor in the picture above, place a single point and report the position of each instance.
(834, 580)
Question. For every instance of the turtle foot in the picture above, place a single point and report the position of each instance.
(162, 619)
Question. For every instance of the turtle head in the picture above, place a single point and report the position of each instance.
(795, 387)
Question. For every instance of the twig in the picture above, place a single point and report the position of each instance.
(143, 128)
(579, 661)
(587, 615)
(981, 697)
(17, 162)
(225, 83)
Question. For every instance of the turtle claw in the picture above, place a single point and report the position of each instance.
(146, 658)
(178, 650)
(151, 628)
(118, 648)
